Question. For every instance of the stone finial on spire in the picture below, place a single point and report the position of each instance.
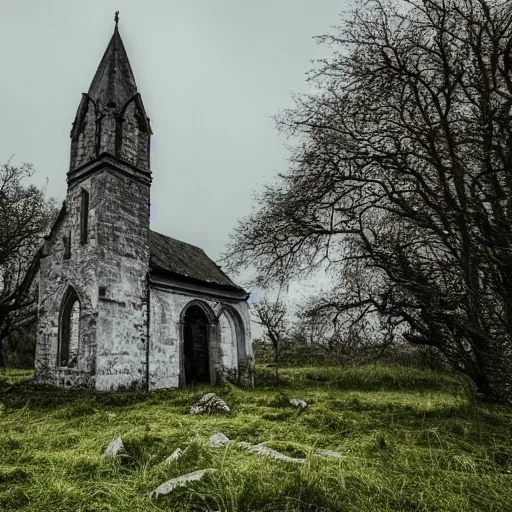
(116, 18)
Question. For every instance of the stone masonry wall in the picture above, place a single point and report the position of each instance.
(83, 143)
(108, 274)
(123, 252)
(166, 310)
(56, 275)
(121, 131)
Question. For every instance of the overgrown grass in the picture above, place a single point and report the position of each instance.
(412, 441)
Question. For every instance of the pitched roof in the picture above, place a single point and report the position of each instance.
(185, 261)
(114, 80)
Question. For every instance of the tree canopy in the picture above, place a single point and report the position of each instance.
(25, 214)
(400, 182)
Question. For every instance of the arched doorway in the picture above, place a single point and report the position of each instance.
(233, 340)
(196, 357)
(69, 332)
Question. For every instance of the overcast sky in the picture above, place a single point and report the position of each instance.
(211, 74)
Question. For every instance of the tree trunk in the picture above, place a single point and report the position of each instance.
(276, 364)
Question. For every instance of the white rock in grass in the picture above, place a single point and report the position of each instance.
(175, 455)
(329, 453)
(298, 403)
(219, 440)
(179, 481)
(209, 403)
(244, 444)
(115, 447)
(265, 450)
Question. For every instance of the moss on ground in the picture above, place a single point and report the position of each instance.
(412, 441)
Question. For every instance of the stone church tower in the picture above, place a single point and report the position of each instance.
(121, 306)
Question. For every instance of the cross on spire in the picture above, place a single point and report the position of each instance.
(116, 17)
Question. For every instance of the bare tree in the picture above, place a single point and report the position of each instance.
(24, 216)
(401, 182)
(272, 316)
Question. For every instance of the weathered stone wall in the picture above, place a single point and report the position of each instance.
(228, 342)
(56, 274)
(133, 131)
(123, 263)
(164, 322)
(166, 310)
(238, 313)
(83, 140)
(114, 264)
(122, 131)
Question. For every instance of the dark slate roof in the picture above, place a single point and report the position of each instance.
(114, 80)
(185, 261)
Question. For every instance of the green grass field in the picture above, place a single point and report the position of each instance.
(412, 440)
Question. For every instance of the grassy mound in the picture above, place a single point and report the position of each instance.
(411, 441)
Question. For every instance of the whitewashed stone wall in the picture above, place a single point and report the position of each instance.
(167, 309)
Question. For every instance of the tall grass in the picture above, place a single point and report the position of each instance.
(412, 441)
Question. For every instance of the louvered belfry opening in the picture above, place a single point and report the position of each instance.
(196, 363)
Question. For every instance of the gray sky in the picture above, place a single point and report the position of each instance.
(211, 74)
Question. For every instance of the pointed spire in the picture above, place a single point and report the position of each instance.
(111, 120)
(114, 83)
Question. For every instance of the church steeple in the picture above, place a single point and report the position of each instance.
(111, 119)
(114, 81)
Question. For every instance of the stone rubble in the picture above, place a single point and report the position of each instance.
(219, 440)
(265, 450)
(329, 453)
(298, 403)
(179, 481)
(115, 447)
(208, 404)
(175, 455)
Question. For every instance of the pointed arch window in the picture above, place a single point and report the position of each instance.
(69, 330)
(84, 216)
(67, 246)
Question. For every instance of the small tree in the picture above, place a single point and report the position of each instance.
(24, 216)
(271, 315)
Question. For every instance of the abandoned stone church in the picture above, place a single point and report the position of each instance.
(121, 306)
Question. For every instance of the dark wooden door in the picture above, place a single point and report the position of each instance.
(197, 364)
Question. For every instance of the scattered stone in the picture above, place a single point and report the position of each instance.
(114, 447)
(244, 444)
(209, 403)
(175, 455)
(265, 450)
(329, 453)
(298, 403)
(219, 440)
(179, 481)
